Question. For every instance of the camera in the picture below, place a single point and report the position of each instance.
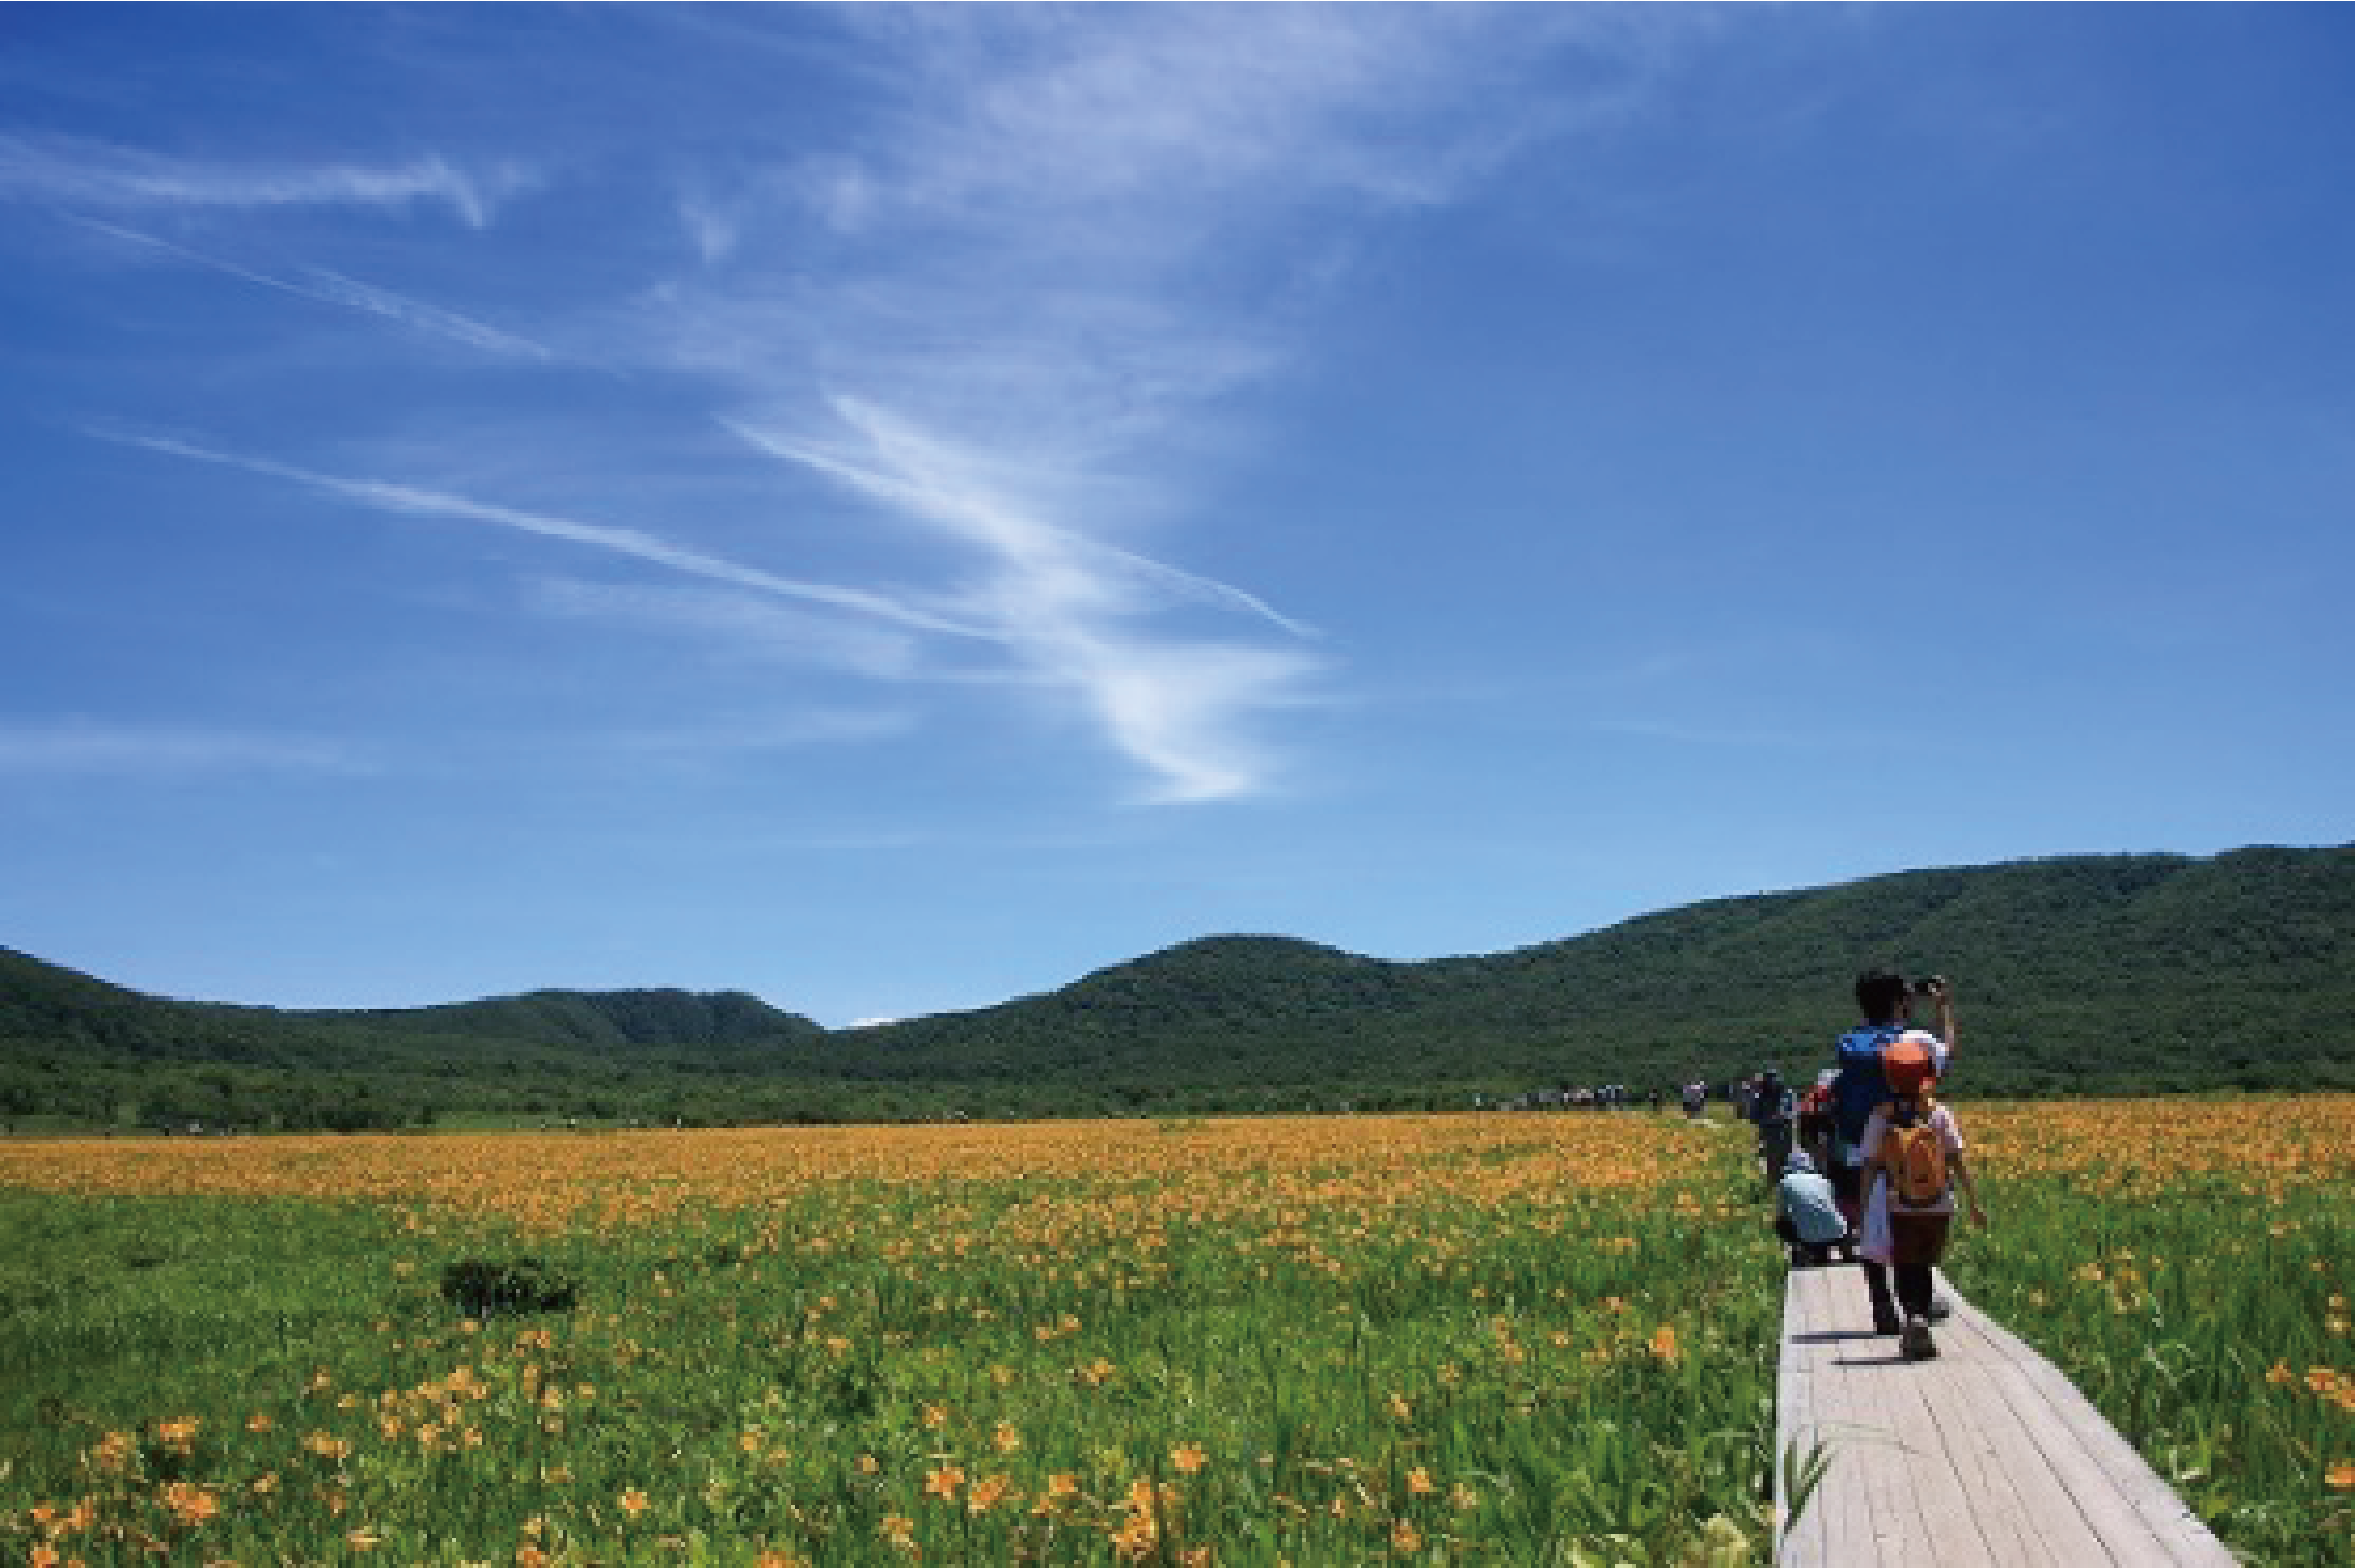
(1935, 985)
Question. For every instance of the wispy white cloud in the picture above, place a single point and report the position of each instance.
(927, 479)
(82, 746)
(411, 500)
(710, 224)
(329, 288)
(738, 621)
(1179, 111)
(1042, 273)
(79, 173)
(1013, 301)
(1178, 708)
(334, 288)
(1023, 294)
(1070, 608)
(1053, 604)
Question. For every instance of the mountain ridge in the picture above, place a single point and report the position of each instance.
(2073, 974)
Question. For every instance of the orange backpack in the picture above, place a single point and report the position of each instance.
(1912, 1155)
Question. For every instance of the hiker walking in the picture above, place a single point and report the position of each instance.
(1915, 1151)
(1886, 1001)
(1770, 1108)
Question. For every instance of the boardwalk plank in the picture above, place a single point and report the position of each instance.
(1845, 1502)
(2009, 1499)
(2182, 1537)
(2123, 1536)
(1986, 1457)
(1837, 1525)
(1895, 1462)
(1793, 1414)
(2023, 1512)
(1941, 1522)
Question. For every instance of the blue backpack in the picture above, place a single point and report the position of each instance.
(1860, 1086)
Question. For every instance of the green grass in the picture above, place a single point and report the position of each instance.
(1071, 1371)
(2191, 1317)
(1472, 1385)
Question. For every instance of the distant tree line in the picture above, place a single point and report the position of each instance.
(2121, 974)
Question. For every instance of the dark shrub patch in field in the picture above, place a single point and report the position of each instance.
(487, 1287)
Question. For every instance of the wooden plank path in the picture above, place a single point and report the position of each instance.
(1986, 1457)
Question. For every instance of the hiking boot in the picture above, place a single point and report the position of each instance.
(1913, 1342)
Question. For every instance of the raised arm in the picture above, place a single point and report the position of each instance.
(1961, 1170)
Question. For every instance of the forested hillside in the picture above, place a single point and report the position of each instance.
(2079, 974)
(75, 1047)
(2072, 974)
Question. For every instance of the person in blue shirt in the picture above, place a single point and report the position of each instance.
(1807, 1216)
(1886, 999)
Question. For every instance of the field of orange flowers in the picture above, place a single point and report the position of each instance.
(559, 1180)
(1501, 1339)
(2189, 1265)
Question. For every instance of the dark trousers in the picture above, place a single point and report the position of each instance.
(1848, 1190)
(1917, 1242)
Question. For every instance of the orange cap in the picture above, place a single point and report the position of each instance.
(1908, 1066)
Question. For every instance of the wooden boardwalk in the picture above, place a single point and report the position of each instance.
(1985, 1455)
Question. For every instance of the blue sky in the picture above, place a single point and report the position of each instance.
(894, 510)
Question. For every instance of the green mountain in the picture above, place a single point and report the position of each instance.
(2143, 971)
(714, 1024)
(2122, 972)
(76, 1048)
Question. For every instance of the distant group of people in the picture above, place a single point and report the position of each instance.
(1608, 1096)
(1866, 1164)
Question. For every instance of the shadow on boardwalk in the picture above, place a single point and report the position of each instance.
(1985, 1456)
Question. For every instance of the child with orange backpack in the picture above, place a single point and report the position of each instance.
(1915, 1151)
(1887, 1001)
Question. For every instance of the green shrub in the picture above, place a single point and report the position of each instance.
(488, 1288)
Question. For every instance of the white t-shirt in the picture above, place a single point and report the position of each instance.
(1950, 1137)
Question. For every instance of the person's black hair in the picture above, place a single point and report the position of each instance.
(1880, 995)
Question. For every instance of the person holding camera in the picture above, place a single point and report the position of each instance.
(1887, 1000)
